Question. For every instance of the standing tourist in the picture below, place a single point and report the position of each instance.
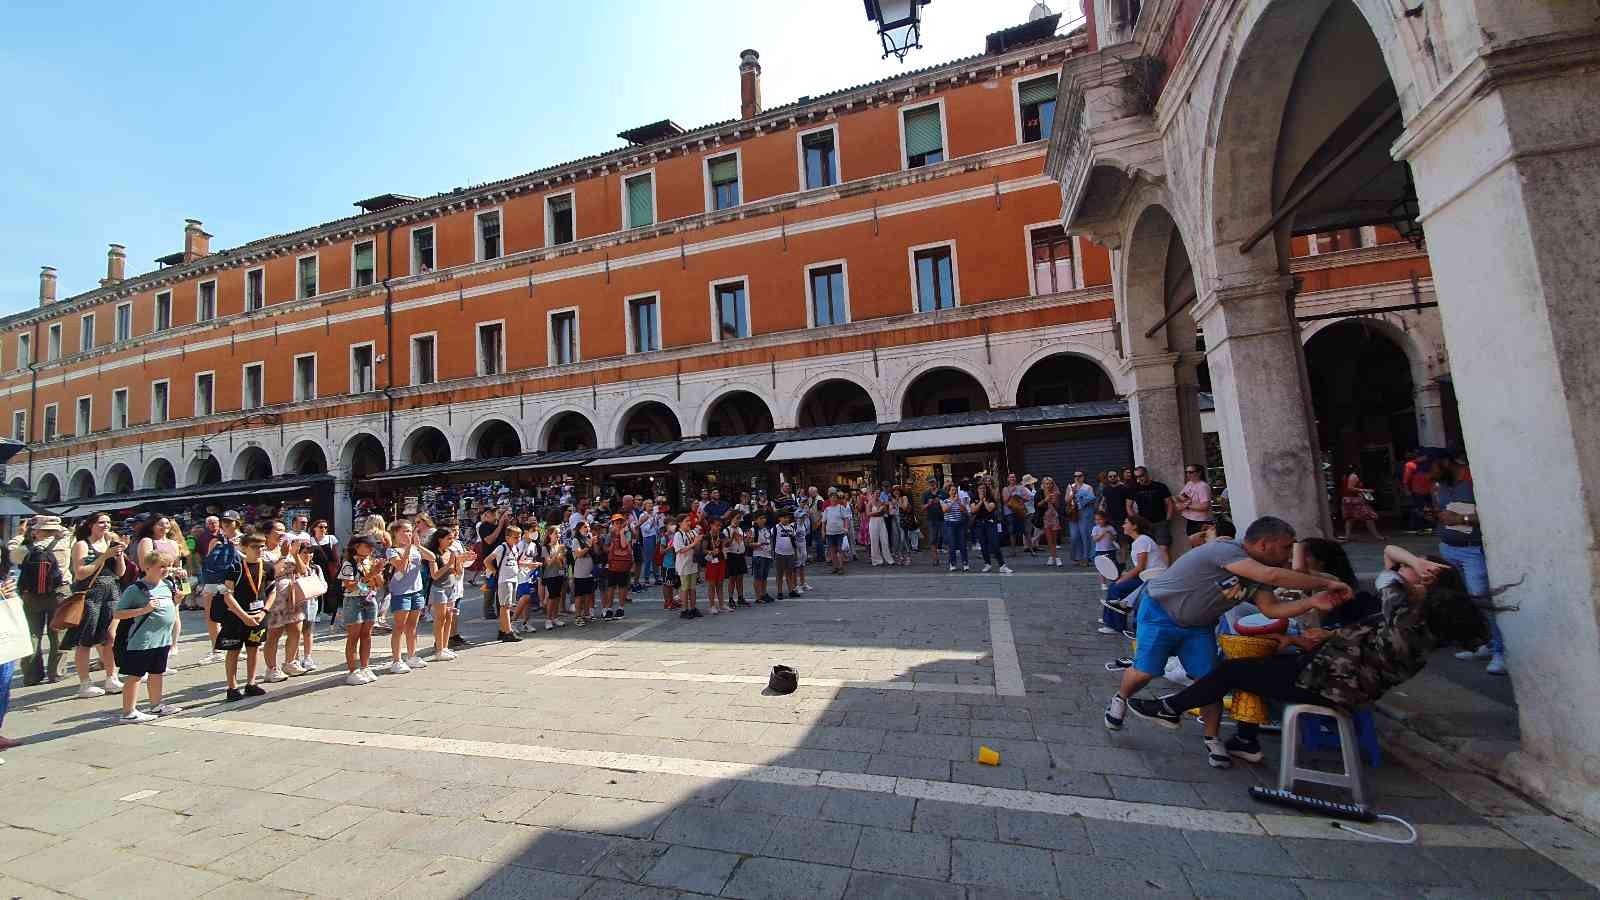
(553, 575)
(835, 525)
(619, 567)
(285, 608)
(8, 669)
(738, 562)
(1417, 479)
(1153, 500)
(1355, 505)
(784, 547)
(882, 552)
(987, 522)
(491, 530)
(241, 616)
(1052, 513)
(580, 547)
(503, 570)
(43, 551)
(359, 575)
(1114, 497)
(1082, 506)
(325, 551)
(97, 563)
(953, 510)
(219, 566)
(1194, 500)
(148, 616)
(1460, 534)
(685, 550)
(449, 567)
(406, 598)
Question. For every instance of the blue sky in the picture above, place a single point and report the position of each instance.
(121, 120)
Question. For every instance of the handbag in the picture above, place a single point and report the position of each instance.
(69, 613)
(312, 585)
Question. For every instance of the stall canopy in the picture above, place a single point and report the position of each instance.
(244, 491)
(959, 436)
(719, 454)
(628, 460)
(825, 448)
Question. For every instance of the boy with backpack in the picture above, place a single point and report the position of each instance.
(143, 644)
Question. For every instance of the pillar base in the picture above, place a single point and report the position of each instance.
(1574, 796)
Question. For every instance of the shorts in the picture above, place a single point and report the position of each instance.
(835, 541)
(360, 609)
(688, 580)
(1160, 637)
(1191, 527)
(672, 578)
(442, 597)
(583, 587)
(784, 562)
(528, 589)
(506, 594)
(618, 579)
(139, 663)
(234, 634)
(762, 567)
(737, 565)
(412, 602)
(555, 587)
(95, 627)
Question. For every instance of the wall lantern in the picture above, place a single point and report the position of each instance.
(899, 24)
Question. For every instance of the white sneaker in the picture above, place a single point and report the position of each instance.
(398, 667)
(274, 676)
(356, 678)
(307, 664)
(1497, 665)
(293, 668)
(952, 568)
(1483, 652)
(1005, 570)
(985, 568)
(90, 689)
(1106, 630)
(561, 623)
(549, 626)
(113, 685)
(137, 717)
(416, 662)
(368, 675)
(167, 709)
(446, 654)
(966, 568)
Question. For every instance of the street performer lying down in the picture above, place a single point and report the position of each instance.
(1425, 605)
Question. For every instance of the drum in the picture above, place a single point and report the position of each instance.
(1247, 707)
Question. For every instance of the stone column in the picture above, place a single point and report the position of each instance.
(1509, 180)
(1157, 416)
(344, 507)
(1430, 415)
(1262, 408)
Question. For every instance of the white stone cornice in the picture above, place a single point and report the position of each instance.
(1339, 259)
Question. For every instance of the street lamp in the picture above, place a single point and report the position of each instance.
(203, 450)
(899, 24)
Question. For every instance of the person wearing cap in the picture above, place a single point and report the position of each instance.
(619, 567)
(39, 598)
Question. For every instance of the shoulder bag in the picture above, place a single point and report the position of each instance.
(70, 612)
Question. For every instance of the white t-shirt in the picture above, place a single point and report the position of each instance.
(1156, 558)
(836, 518)
(683, 557)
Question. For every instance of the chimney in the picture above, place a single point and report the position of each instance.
(749, 84)
(47, 285)
(196, 243)
(116, 265)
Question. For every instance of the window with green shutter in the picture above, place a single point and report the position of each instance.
(1036, 101)
(724, 175)
(641, 206)
(924, 137)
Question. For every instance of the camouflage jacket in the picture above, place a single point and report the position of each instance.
(1358, 664)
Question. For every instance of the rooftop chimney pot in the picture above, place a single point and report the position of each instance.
(47, 285)
(196, 243)
(749, 84)
(116, 265)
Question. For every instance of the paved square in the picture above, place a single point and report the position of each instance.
(642, 758)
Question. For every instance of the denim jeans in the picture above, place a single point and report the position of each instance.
(955, 537)
(7, 670)
(1082, 535)
(1475, 572)
(648, 570)
(1115, 591)
(989, 541)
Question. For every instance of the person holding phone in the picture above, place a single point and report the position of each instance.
(97, 564)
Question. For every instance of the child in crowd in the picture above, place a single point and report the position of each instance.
(1145, 560)
(669, 564)
(619, 568)
(737, 561)
(802, 538)
(243, 611)
(360, 574)
(761, 557)
(1105, 542)
(287, 608)
(554, 576)
(504, 566)
(449, 585)
(784, 546)
(406, 558)
(530, 560)
(145, 642)
(716, 569)
(685, 549)
(581, 547)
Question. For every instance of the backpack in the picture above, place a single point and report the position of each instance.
(220, 559)
(126, 630)
(620, 557)
(41, 573)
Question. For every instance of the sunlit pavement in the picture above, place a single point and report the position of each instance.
(641, 758)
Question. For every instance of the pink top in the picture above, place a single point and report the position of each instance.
(1197, 495)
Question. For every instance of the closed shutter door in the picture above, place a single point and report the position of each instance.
(1089, 454)
(641, 211)
(923, 134)
(1037, 91)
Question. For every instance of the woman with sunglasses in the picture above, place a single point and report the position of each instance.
(97, 564)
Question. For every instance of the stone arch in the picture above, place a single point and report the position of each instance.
(81, 485)
(493, 437)
(252, 464)
(425, 444)
(808, 392)
(1411, 343)
(944, 386)
(1061, 376)
(20, 484)
(567, 427)
(1088, 352)
(204, 470)
(1157, 275)
(159, 475)
(662, 425)
(306, 457)
(727, 400)
(118, 479)
(48, 489)
(362, 454)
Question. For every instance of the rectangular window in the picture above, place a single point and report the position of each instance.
(1036, 108)
(818, 158)
(254, 381)
(923, 136)
(306, 277)
(828, 302)
(489, 235)
(732, 311)
(644, 324)
(205, 394)
(361, 368)
(52, 422)
(81, 426)
(19, 426)
(119, 409)
(722, 174)
(421, 250)
(160, 401)
(163, 319)
(124, 322)
(935, 274)
(52, 343)
(639, 201)
(205, 301)
(424, 359)
(24, 350)
(563, 337)
(255, 290)
(86, 333)
(491, 348)
(1051, 249)
(559, 225)
(364, 260)
(305, 377)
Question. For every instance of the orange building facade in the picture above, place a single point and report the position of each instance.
(885, 253)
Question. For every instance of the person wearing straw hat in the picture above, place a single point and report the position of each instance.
(41, 590)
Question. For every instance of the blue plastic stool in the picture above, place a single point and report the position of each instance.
(1319, 733)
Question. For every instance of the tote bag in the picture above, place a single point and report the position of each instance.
(14, 643)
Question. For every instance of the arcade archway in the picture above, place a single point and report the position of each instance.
(426, 445)
(738, 412)
(570, 431)
(836, 401)
(650, 422)
(943, 391)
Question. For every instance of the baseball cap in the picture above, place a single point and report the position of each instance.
(232, 515)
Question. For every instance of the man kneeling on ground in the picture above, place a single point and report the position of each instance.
(1178, 612)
